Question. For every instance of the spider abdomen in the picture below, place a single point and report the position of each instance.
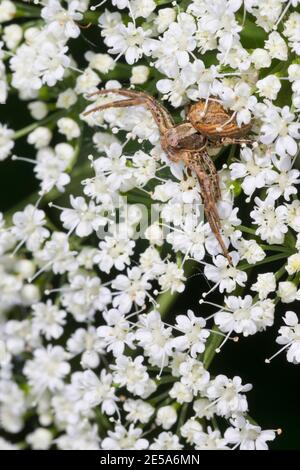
(213, 121)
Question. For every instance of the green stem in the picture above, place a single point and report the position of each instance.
(159, 398)
(166, 379)
(26, 130)
(27, 11)
(102, 421)
(242, 228)
(182, 418)
(212, 345)
(281, 272)
(276, 248)
(268, 259)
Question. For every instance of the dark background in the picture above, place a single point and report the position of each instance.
(274, 401)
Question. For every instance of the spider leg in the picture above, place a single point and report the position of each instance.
(232, 141)
(161, 116)
(211, 171)
(208, 194)
(114, 104)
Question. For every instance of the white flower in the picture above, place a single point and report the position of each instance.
(279, 127)
(47, 369)
(151, 263)
(276, 46)
(127, 40)
(66, 99)
(260, 58)
(181, 393)
(227, 396)
(57, 255)
(38, 110)
(130, 288)
(191, 430)
(225, 275)
(13, 406)
(116, 334)
(293, 264)
(250, 251)
(83, 218)
(173, 278)
(142, 7)
(212, 440)
(166, 417)
(52, 165)
(7, 11)
(12, 35)
(87, 82)
(48, 320)
(154, 234)
(194, 375)
(138, 410)
(282, 183)
(85, 341)
(40, 439)
(176, 44)
(247, 436)
(145, 167)
(52, 62)
(203, 408)
(287, 291)
(237, 316)
(40, 137)
(69, 128)
(61, 21)
(29, 227)
(6, 141)
(114, 166)
(189, 240)
(252, 169)
(289, 337)
(155, 338)
(165, 16)
(115, 252)
(89, 391)
(103, 63)
(121, 438)
(83, 436)
(194, 333)
(166, 441)
(271, 221)
(293, 215)
(242, 316)
(85, 296)
(131, 373)
(265, 284)
(269, 87)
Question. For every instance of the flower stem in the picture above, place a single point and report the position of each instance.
(27, 11)
(268, 259)
(26, 130)
(210, 350)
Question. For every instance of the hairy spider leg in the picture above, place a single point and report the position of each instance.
(195, 163)
(161, 116)
(210, 169)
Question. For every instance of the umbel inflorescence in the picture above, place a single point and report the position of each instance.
(93, 355)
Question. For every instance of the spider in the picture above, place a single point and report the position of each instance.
(207, 123)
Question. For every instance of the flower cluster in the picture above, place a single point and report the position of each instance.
(90, 343)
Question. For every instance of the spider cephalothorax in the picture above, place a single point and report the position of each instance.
(187, 142)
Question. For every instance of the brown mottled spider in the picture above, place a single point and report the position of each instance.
(207, 122)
